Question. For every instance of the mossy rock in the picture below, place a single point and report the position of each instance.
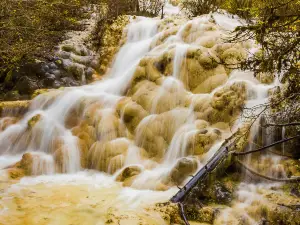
(34, 120)
(208, 61)
(26, 164)
(183, 168)
(12, 95)
(16, 173)
(112, 39)
(39, 92)
(129, 172)
(202, 215)
(78, 50)
(14, 107)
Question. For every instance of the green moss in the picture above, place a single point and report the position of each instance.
(39, 92)
(111, 41)
(8, 77)
(202, 215)
(34, 120)
(43, 24)
(14, 106)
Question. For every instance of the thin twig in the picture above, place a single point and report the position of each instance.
(182, 214)
(265, 147)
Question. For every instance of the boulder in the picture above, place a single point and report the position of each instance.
(12, 95)
(183, 168)
(102, 155)
(27, 85)
(34, 120)
(128, 172)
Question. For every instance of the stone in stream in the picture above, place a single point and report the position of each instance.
(183, 168)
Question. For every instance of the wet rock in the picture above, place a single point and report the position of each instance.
(26, 85)
(15, 108)
(6, 122)
(232, 56)
(56, 84)
(15, 173)
(84, 60)
(221, 194)
(76, 49)
(95, 64)
(116, 163)
(49, 79)
(34, 120)
(102, 154)
(129, 172)
(131, 112)
(216, 192)
(69, 82)
(12, 95)
(183, 168)
(64, 54)
(89, 72)
(202, 141)
(26, 164)
(60, 158)
(169, 212)
(57, 73)
(52, 66)
(208, 61)
(77, 70)
(84, 151)
(202, 215)
(39, 92)
(211, 83)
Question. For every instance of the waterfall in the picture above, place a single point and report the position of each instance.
(78, 127)
(162, 110)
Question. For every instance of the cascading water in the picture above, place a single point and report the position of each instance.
(162, 110)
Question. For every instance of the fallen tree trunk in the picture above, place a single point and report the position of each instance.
(222, 155)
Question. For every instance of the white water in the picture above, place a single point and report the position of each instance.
(108, 92)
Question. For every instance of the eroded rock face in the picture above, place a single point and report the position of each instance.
(108, 156)
(177, 105)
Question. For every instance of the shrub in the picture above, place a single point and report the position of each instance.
(242, 8)
(29, 29)
(200, 7)
(152, 7)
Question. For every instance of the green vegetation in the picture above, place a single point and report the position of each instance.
(30, 29)
(199, 7)
(275, 26)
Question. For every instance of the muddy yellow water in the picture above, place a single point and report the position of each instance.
(51, 200)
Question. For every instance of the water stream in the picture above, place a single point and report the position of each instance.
(106, 151)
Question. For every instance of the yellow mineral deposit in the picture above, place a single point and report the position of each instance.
(107, 152)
